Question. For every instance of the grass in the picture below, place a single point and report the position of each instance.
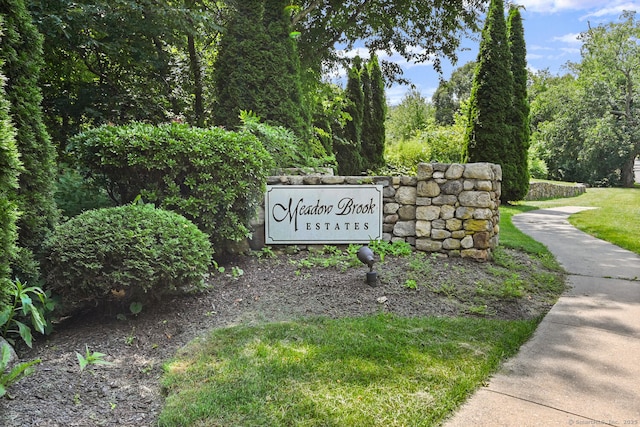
(378, 370)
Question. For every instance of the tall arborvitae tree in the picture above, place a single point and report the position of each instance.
(21, 51)
(520, 110)
(282, 85)
(240, 65)
(375, 111)
(488, 134)
(258, 68)
(9, 169)
(348, 148)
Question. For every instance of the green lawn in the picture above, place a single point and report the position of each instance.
(373, 371)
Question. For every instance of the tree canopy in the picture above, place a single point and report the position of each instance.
(586, 126)
(420, 31)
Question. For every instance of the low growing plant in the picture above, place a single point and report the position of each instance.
(16, 373)
(91, 358)
(28, 308)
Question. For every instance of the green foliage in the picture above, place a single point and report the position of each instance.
(489, 131)
(21, 53)
(519, 120)
(397, 248)
(410, 284)
(213, 177)
(258, 69)
(409, 117)
(10, 167)
(135, 307)
(374, 115)
(286, 149)
(348, 148)
(117, 61)
(28, 308)
(75, 195)
(420, 31)
(451, 93)
(16, 373)
(91, 358)
(586, 127)
(430, 142)
(132, 253)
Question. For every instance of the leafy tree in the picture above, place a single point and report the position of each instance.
(450, 93)
(556, 116)
(9, 169)
(374, 115)
(586, 127)
(239, 66)
(117, 61)
(488, 131)
(348, 149)
(21, 52)
(282, 85)
(404, 120)
(420, 31)
(519, 121)
(609, 74)
(328, 104)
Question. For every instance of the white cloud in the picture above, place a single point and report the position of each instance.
(595, 7)
(612, 9)
(571, 38)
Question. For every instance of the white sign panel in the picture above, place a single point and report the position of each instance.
(323, 214)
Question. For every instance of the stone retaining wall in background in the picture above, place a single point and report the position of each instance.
(447, 208)
(547, 190)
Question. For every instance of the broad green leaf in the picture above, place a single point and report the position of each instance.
(5, 355)
(38, 321)
(25, 333)
(5, 314)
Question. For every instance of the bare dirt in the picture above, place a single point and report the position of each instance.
(128, 393)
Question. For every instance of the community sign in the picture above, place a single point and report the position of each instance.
(310, 214)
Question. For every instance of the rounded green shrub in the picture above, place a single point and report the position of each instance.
(136, 252)
(213, 177)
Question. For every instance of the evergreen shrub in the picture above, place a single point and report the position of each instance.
(135, 252)
(213, 177)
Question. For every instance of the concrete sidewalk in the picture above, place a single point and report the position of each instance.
(582, 365)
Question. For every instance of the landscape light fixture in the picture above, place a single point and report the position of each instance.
(365, 255)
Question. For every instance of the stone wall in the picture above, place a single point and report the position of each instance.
(547, 190)
(447, 208)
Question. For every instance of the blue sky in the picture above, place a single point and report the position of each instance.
(551, 29)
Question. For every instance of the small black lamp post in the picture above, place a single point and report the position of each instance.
(365, 255)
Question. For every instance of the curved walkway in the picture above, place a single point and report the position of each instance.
(582, 365)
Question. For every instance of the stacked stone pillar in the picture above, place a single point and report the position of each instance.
(450, 208)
